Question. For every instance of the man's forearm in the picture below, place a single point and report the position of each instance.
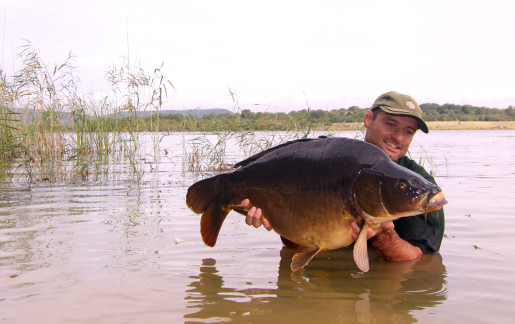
(391, 247)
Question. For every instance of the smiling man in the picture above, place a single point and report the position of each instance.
(391, 124)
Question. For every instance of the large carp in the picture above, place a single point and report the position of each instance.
(311, 190)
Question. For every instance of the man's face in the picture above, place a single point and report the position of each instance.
(391, 133)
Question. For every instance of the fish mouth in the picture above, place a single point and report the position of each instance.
(436, 202)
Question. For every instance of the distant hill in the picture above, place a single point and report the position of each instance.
(197, 112)
(31, 114)
(186, 112)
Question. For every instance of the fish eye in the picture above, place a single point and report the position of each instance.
(402, 185)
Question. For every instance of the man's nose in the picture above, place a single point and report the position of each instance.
(398, 136)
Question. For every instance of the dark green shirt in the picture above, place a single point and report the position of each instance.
(425, 233)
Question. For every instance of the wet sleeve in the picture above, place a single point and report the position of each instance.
(426, 234)
(424, 231)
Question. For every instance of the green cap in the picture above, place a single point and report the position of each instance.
(400, 104)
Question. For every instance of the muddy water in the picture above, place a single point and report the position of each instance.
(129, 252)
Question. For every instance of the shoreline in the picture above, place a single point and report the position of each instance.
(441, 125)
(471, 125)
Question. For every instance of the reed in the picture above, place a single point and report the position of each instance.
(207, 151)
(51, 132)
(8, 141)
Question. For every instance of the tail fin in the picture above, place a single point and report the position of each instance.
(201, 194)
(202, 198)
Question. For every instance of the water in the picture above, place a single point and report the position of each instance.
(127, 253)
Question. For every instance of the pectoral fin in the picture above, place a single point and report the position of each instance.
(300, 260)
(360, 252)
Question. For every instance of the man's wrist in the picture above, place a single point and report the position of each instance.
(391, 247)
(384, 235)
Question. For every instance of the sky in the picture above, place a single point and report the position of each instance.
(280, 55)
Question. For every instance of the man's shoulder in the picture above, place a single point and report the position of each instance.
(415, 167)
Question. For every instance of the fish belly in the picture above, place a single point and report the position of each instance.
(319, 235)
(309, 218)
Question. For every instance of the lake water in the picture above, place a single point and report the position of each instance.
(131, 252)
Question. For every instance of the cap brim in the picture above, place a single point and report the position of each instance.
(391, 110)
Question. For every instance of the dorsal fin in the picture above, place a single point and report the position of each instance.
(258, 155)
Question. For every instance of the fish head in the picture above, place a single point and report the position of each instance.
(381, 195)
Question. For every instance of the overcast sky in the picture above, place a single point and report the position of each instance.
(281, 55)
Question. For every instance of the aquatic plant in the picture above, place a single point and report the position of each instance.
(51, 131)
(207, 150)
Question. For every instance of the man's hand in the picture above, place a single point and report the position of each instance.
(254, 216)
(388, 244)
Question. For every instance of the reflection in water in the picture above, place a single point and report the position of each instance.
(389, 292)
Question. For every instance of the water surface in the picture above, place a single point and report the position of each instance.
(131, 252)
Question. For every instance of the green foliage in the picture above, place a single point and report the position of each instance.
(299, 121)
(451, 112)
(307, 120)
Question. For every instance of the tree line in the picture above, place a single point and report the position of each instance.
(247, 120)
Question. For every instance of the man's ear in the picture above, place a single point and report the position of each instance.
(368, 118)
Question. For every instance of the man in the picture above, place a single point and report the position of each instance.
(391, 124)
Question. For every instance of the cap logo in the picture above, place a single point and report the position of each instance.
(410, 105)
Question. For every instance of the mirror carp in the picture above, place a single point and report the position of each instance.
(311, 190)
